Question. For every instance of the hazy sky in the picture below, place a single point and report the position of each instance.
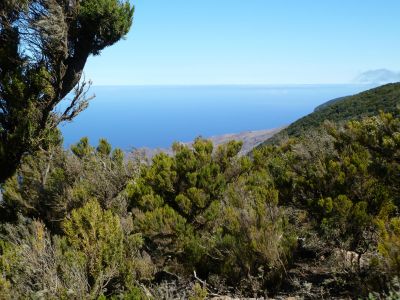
(252, 42)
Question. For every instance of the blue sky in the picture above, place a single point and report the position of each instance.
(252, 42)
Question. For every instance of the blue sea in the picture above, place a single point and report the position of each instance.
(156, 116)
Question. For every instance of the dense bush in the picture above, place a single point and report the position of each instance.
(95, 256)
(51, 183)
(210, 211)
(347, 178)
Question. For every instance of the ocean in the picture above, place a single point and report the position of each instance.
(155, 116)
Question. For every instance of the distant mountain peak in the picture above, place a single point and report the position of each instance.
(378, 76)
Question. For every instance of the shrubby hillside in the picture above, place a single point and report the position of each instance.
(315, 216)
(385, 98)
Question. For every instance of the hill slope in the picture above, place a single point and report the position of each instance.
(384, 98)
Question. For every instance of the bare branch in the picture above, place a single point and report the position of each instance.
(78, 103)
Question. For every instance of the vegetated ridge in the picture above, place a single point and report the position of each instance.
(385, 98)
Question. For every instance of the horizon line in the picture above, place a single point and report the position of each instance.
(231, 84)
